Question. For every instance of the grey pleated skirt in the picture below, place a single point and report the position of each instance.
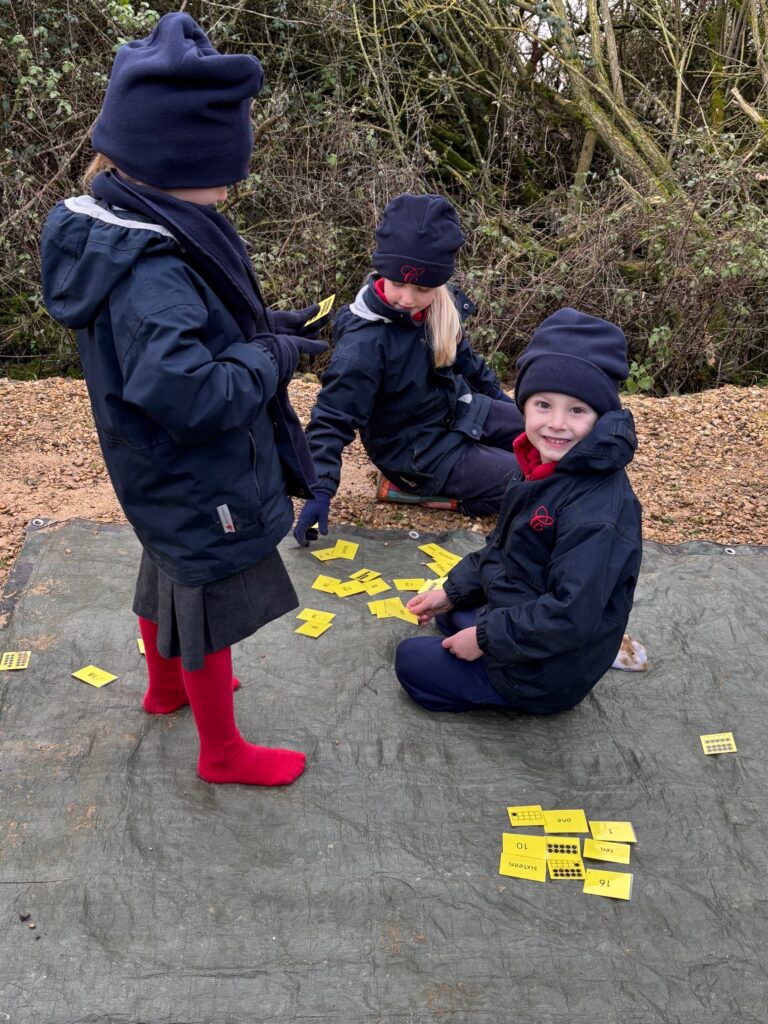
(195, 621)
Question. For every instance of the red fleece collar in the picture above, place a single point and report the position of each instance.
(378, 287)
(529, 460)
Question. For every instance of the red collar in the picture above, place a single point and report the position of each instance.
(378, 287)
(529, 460)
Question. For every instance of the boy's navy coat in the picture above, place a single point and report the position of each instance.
(179, 396)
(557, 576)
(414, 420)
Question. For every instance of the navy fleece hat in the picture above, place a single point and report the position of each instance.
(575, 354)
(417, 240)
(176, 113)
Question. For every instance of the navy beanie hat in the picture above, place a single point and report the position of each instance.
(575, 354)
(417, 240)
(176, 113)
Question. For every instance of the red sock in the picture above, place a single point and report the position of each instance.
(224, 754)
(166, 692)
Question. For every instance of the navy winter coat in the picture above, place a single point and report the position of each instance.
(179, 396)
(557, 576)
(414, 420)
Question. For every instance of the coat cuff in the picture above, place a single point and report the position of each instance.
(482, 635)
(326, 484)
(451, 592)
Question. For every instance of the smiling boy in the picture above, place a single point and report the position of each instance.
(535, 618)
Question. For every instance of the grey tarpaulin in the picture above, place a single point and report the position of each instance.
(369, 893)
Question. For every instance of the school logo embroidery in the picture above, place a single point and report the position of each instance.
(541, 519)
(411, 275)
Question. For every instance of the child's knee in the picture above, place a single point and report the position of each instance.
(408, 661)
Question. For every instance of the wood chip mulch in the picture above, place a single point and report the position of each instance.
(701, 472)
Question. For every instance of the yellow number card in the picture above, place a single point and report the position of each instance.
(440, 554)
(521, 845)
(525, 814)
(599, 849)
(325, 554)
(12, 661)
(565, 821)
(345, 549)
(313, 629)
(325, 307)
(718, 743)
(409, 583)
(315, 615)
(349, 588)
(403, 613)
(523, 867)
(140, 644)
(377, 586)
(432, 584)
(614, 831)
(327, 584)
(93, 675)
(616, 885)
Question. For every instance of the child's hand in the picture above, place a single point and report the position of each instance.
(464, 644)
(293, 321)
(425, 606)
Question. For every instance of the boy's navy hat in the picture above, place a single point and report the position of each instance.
(417, 240)
(176, 113)
(575, 354)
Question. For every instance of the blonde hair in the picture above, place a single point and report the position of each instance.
(443, 327)
(98, 164)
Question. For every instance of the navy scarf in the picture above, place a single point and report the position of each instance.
(213, 247)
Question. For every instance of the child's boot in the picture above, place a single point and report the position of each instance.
(165, 692)
(224, 755)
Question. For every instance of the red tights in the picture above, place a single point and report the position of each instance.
(224, 755)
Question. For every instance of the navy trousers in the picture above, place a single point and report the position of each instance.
(440, 681)
(480, 476)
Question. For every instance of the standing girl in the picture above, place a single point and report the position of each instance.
(432, 416)
(187, 374)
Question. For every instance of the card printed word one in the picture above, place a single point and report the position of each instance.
(565, 821)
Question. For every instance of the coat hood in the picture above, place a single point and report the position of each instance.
(86, 249)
